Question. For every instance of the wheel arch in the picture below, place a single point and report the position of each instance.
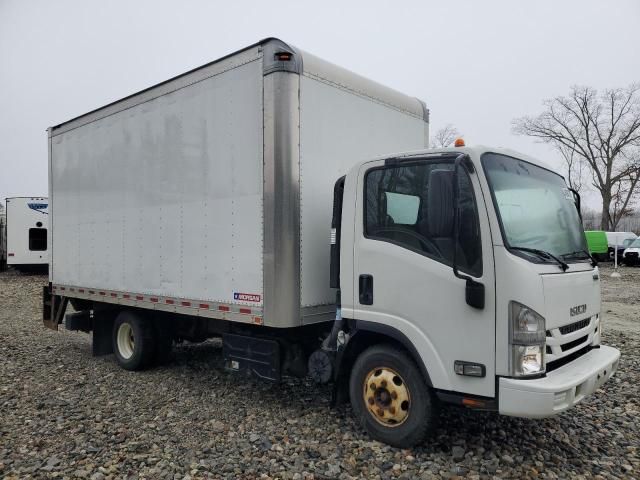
(364, 334)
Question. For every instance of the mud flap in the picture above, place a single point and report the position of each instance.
(53, 308)
(102, 333)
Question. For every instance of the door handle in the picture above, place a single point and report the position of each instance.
(366, 289)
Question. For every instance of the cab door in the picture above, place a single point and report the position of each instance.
(402, 264)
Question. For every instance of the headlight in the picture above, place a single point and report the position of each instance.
(527, 360)
(527, 338)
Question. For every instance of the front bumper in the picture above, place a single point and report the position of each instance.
(560, 389)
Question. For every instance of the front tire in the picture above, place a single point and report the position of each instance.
(390, 398)
(133, 343)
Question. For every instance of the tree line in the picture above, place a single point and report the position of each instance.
(597, 134)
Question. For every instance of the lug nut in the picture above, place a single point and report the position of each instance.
(394, 395)
(381, 412)
(392, 410)
(371, 401)
(383, 384)
(372, 386)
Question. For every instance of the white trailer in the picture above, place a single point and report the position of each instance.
(27, 222)
(456, 275)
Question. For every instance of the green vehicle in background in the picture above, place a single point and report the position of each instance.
(598, 244)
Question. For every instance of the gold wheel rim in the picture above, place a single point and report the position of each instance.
(386, 396)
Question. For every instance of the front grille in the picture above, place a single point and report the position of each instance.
(631, 255)
(574, 327)
(575, 343)
(551, 366)
(561, 342)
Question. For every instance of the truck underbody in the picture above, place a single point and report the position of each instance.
(265, 352)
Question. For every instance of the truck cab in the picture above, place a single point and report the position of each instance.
(464, 277)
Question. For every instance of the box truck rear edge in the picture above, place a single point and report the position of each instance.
(216, 191)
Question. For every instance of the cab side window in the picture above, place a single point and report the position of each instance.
(410, 206)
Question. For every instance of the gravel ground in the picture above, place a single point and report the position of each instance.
(64, 414)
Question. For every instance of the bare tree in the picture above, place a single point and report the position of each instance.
(603, 132)
(575, 166)
(445, 136)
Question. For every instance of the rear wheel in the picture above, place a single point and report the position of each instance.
(390, 398)
(133, 342)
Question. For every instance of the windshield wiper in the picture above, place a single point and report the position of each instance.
(543, 254)
(573, 254)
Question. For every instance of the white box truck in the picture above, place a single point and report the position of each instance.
(27, 221)
(457, 275)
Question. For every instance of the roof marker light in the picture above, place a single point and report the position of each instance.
(283, 56)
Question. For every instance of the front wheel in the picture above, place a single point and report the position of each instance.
(390, 398)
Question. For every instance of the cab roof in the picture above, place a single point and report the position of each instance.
(474, 152)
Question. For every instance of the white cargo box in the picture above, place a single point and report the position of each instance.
(211, 193)
(27, 222)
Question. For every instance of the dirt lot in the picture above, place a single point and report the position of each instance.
(64, 414)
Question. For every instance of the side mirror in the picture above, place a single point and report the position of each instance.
(474, 294)
(474, 291)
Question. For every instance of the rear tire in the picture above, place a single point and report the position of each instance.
(390, 397)
(133, 341)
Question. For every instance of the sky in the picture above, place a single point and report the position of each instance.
(477, 64)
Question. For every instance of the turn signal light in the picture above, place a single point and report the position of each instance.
(473, 403)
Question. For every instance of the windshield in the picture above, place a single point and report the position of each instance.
(535, 208)
(634, 243)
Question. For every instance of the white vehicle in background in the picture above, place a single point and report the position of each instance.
(617, 240)
(631, 254)
(27, 229)
(257, 199)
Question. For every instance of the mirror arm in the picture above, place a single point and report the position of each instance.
(474, 291)
(456, 227)
(577, 201)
